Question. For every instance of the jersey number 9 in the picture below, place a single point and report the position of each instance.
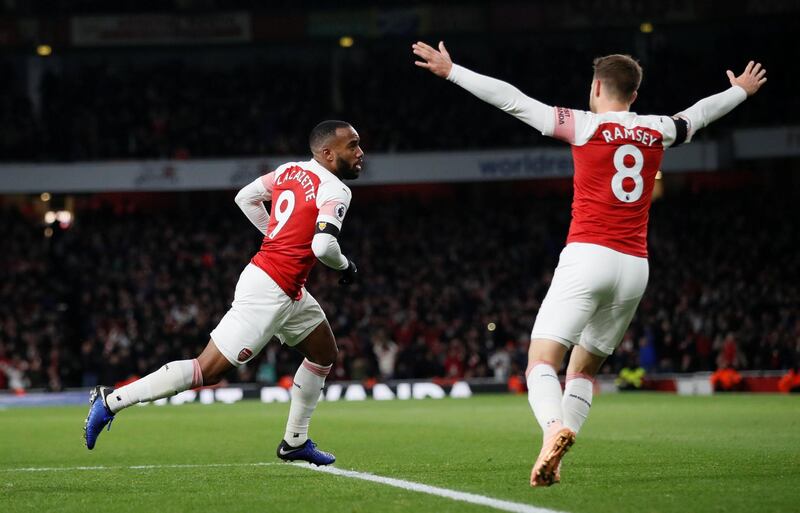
(282, 210)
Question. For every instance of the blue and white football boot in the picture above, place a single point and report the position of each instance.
(306, 452)
(99, 415)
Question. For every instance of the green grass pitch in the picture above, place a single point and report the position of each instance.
(637, 453)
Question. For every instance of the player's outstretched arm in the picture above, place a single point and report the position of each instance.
(501, 94)
(710, 109)
(251, 200)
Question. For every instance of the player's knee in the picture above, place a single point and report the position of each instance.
(325, 356)
(212, 373)
(211, 379)
(213, 364)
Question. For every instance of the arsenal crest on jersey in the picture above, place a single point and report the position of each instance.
(244, 355)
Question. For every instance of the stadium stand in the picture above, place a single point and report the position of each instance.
(147, 279)
(148, 284)
(101, 104)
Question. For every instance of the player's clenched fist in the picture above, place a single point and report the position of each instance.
(438, 62)
(751, 80)
(349, 274)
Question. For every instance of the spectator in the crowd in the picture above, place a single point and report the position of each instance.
(726, 379)
(385, 351)
(119, 292)
(630, 377)
(790, 382)
(500, 362)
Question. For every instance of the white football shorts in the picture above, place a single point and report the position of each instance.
(593, 296)
(261, 310)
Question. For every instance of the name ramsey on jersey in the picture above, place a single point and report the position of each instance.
(631, 134)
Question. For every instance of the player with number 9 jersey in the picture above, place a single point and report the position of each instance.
(602, 272)
(309, 203)
(304, 195)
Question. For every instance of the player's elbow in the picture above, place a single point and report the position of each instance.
(241, 198)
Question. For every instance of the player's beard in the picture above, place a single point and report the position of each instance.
(346, 170)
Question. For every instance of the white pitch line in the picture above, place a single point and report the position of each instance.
(472, 498)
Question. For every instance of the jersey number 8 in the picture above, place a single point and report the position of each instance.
(623, 171)
(283, 209)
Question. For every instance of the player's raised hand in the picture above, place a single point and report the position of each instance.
(438, 62)
(751, 80)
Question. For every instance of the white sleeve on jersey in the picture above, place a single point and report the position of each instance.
(251, 200)
(505, 97)
(710, 109)
(333, 200)
(327, 250)
(573, 126)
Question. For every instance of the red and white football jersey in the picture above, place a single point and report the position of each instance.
(303, 194)
(616, 156)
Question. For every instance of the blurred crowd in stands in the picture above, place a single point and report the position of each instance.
(108, 104)
(450, 287)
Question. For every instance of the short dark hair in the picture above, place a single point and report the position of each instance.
(620, 73)
(322, 132)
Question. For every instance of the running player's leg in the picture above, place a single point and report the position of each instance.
(544, 396)
(578, 285)
(172, 378)
(259, 306)
(602, 334)
(308, 331)
(579, 388)
(319, 349)
(569, 304)
(544, 388)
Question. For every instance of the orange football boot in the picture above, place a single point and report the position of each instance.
(547, 470)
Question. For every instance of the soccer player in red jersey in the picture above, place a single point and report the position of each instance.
(602, 272)
(309, 204)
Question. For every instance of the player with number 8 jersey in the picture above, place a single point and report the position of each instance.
(309, 203)
(602, 272)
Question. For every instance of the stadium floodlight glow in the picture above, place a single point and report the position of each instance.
(64, 217)
(346, 41)
(44, 50)
(491, 326)
(646, 27)
(45, 196)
